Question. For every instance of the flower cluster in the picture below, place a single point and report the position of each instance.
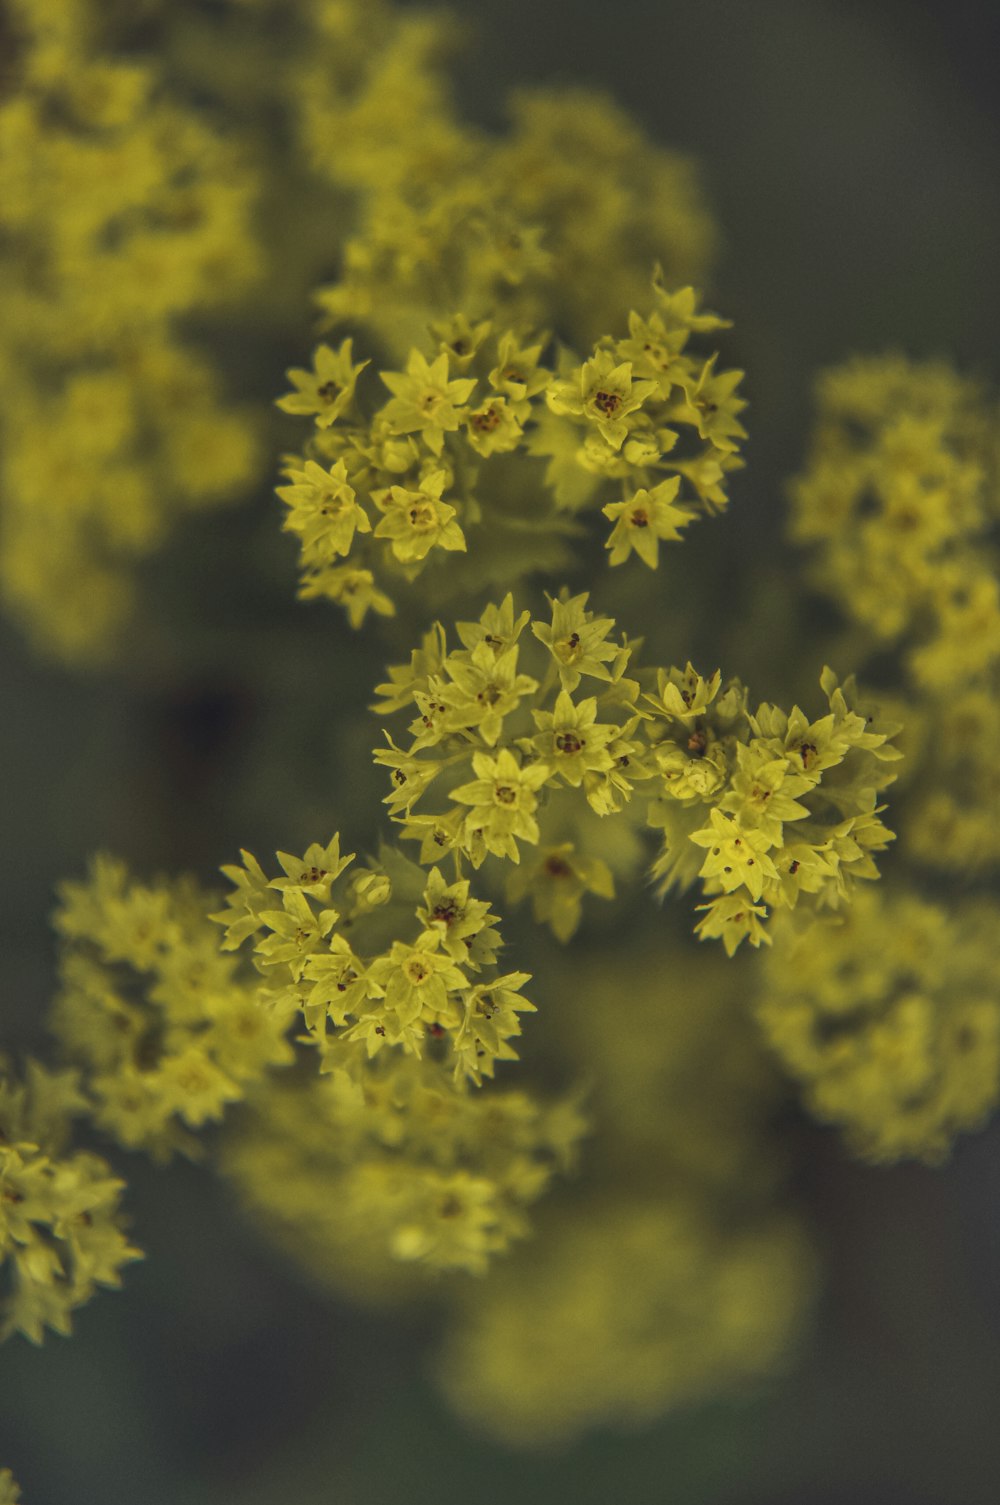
(389, 1152)
(768, 809)
(678, 1271)
(61, 1231)
(165, 1027)
(889, 1016)
(365, 971)
(374, 1183)
(483, 424)
(121, 211)
(552, 225)
(899, 505)
(898, 499)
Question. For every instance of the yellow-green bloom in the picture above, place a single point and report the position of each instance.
(684, 694)
(415, 981)
(328, 390)
(416, 521)
(354, 589)
(424, 400)
(572, 741)
(464, 927)
(485, 688)
(643, 520)
(602, 392)
(736, 856)
(557, 883)
(493, 428)
(577, 640)
(711, 404)
(324, 511)
(491, 1011)
(503, 801)
(517, 374)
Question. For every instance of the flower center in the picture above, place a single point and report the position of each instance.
(422, 517)
(486, 421)
(568, 742)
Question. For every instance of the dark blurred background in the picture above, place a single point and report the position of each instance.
(850, 150)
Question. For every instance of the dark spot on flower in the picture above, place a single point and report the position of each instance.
(569, 743)
(422, 516)
(486, 421)
(607, 402)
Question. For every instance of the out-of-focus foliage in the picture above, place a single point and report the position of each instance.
(377, 1180)
(890, 1016)
(674, 1270)
(61, 1231)
(163, 1025)
(122, 212)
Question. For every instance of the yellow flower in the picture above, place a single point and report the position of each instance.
(354, 589)
(325, 511)
(415, 981)
(493, 428)
(572, 741)
(711, 405)
(601, 391)
(737, 856)
(642, 520)
(557, 883)
(424, 400)
(503, 801)
(417, 521)
(485, 688)
(577, 641)
(328, 390)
